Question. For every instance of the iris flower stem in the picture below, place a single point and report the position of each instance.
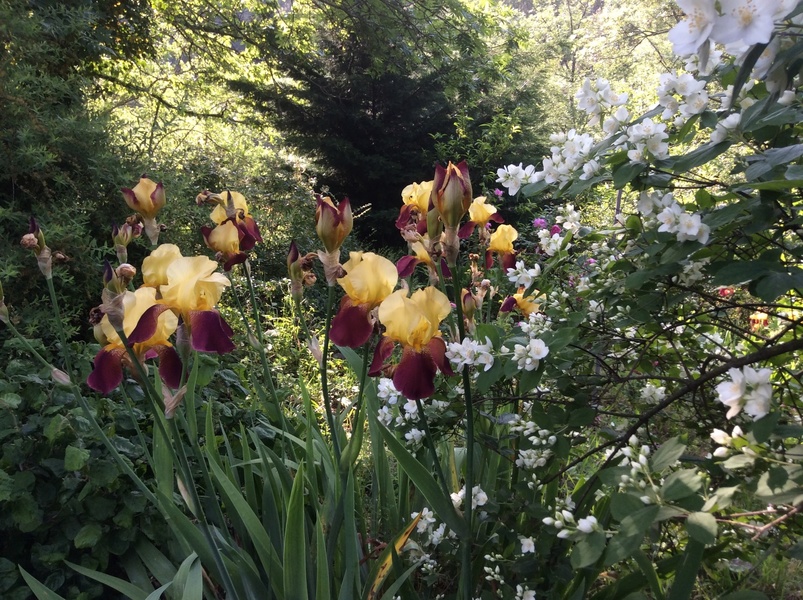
(433, 450)
(330, 300)
(466, 545)
(60, 326)
(260, 336)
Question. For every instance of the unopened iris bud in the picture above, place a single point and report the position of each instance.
(333, 223)
(451, 192)
(469, 305)
(122, 236)
(147, 199)
(294, 269)
(35, 240)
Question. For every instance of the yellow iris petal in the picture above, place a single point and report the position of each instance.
(369, 279)
(154, 267)
(414, 321)
(193, 284)
(502, 239)
(418, 195)
(479, 212)
(240, 205)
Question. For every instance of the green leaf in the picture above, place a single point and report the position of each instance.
(638, 522)
(189, 578)
(295, 542)
(739, 461)
(681, 484)
(702, 526)
(75, 458)
(763, 428)
(627, 172)
(771, 158)
(588, 550)
(667, 455)
(88, 535)
(695, 158)
(743, 271)
(426, 484)
(39, 590)
(623, 505)
(775, 284)
(686, 574)
(10, 400)
(120, 585)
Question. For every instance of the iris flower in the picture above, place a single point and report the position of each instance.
(147, 199)
(191, 288)
(233, 208)
(416, 198)
(414, 323)
(480, 214)
(502, 244)
(225, 239)
(369, 279)
(109, 362)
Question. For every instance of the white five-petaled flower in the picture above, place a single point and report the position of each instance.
(527, 545)
(748, 389)
(688, 35)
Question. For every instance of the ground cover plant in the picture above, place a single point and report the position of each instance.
(547, 409)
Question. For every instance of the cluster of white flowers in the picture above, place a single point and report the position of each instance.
(681, 96)
(536, 324)
(653, 394)
(550, 242)
(692, 272)
(748, 389)
(568, 527)
(673, 218)
(568, 217)
(524, 593)
(738, 23)
(528, 357)
(471, 353)
(427, 527)
(521, 276)
(478, 497)
(389, 397)
(725, 441)
(596, 97)
(638, 480)
(414, 437)
(513, 177)
(645, 137)
(569, 153)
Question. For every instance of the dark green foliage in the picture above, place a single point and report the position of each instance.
(55, 163)
(61, 496)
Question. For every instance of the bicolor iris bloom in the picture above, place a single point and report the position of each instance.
(525, 304)
(107, 373)
(369, 279)
(416, 198)
(233, 207)
(480, 214)
(414, 323)
(502, 243)
(225, 239)
(191, 288)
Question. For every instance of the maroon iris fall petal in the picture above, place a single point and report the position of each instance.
(209, 332)
(466, 229)
(406, 265)
(415, 375)
(508, 305)
(170, 367)
(437, 349)
(146, 326)
(107, 373)
(382, 352)
(351, 326)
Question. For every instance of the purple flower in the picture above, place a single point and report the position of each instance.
(555, 229)
(498, 193)
(539, 223)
